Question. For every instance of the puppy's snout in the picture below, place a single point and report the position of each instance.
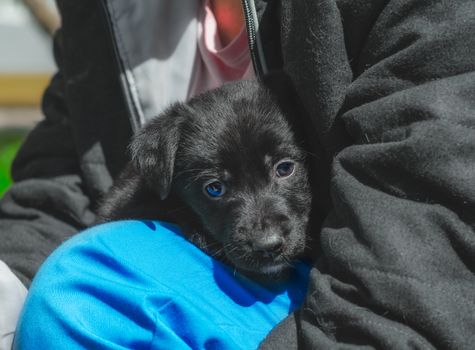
(269, 244)
(264, 226)
(275, 220)
(266, 234)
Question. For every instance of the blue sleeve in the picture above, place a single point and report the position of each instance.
(141, 285)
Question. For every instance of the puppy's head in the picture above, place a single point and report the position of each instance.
(231, 156)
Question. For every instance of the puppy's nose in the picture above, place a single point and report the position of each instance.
(269, 244)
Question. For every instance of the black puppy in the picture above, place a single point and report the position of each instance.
(227, 169)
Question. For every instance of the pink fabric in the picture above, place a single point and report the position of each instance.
(216, 64)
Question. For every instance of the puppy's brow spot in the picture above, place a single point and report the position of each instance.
(268, 159)
(226, 175)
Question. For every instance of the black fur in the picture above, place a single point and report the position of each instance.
(236, 134)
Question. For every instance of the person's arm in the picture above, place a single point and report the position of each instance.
(12, 297)
(46, 204)
(397, 264)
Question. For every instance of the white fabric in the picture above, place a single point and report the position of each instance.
(12, 297)
(157, 52)
(216, 63)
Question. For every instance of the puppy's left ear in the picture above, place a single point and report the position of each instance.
(153, 149)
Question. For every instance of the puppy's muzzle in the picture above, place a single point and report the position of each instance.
(266, 234)
(269, 245)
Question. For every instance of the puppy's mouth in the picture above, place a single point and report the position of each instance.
(275, 269)
(247, 260)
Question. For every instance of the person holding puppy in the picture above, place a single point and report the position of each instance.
(387, 90)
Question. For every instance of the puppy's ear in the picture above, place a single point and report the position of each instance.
(153, 149)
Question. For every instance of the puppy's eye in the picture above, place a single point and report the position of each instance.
(214, 189)
(284, 169)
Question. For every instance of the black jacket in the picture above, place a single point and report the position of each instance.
(388, 88)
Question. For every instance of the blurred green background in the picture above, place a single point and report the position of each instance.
(10, 141)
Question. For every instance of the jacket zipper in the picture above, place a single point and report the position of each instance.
(134, 115)
(255, 44)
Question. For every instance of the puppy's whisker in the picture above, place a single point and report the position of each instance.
(215, 243)
(190, 170)
(174, 210)
(311, 154)
(232, 250)
(246, 257)
(192, 180)
(217, 253)
(287, 262)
